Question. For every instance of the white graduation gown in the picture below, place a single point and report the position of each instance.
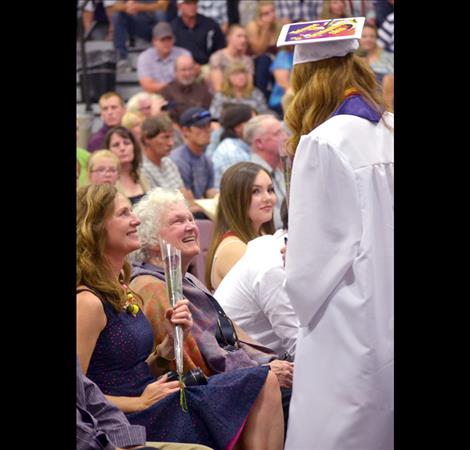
(339, 268)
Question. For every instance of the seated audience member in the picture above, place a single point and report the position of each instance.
(156, 65)
(195, 167)
(157, 140)
(253, 295)
(146, 103)
(216, 133)
(265, 134)
(215, 10)
(292, 10)
(379, 60)
(115, 339)
(133, 121)
(91, 15)
(185, 91)
(334, 9)
(235, 52)
(131, 182)
(281, 68)
(232, 148)
(237, 88)
(102, 425)
(386, 31)
(136, 18)
(262, 36)
(245, 211)
(199, 34)
(82, 161)
(112, 109)
(216, 344)
(103, 167)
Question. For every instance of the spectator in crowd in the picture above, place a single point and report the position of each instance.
(235, 52)
(215, 10)
(298, 10)
(232, 148)
(262, 36)
(253, 294)
(339, 261)
(281, 68)
(103, 167)
(156, 65)
(195, 167)
(146, 103)
(132, 182)
(237, 88)
(386, 31)
(379, 60)
(82, 161)
(115, 339)
(157, 140)
(265, 135)
(89, 14)
(382, 10)
(134, 18)
(133, 122)
(335, 9)
(216, 344)
(112, 109)
(186, 91)
(247, 11)
(245, 211)
(199, 34)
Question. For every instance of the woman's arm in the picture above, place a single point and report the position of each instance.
(258, 36)
(228, 255)
(91, 320)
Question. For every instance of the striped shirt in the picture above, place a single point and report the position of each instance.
(166, 175)
(386, 33)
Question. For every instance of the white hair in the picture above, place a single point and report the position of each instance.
(133, 104)
(150, 211)
(255, 127)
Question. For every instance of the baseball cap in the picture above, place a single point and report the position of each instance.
(161, 30)
(322, 39)
(195, 117)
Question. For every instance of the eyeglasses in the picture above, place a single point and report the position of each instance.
(103, 170)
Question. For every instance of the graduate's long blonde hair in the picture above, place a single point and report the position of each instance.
(319, 89)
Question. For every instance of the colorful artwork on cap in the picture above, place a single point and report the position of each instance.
(321, 31)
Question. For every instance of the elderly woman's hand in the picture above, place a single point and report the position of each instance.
(180, 315)
(284, 370)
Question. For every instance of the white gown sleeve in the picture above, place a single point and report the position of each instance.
(324, 225)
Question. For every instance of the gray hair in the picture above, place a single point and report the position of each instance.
(150, 211)
(133, 103)
(255, 127)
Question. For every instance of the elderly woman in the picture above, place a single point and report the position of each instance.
(216, 344)
(115, 339)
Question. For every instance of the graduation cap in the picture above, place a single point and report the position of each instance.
(322, 39)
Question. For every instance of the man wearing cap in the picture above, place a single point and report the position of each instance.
(185, 91)
(340, 257)
(195, 167)
(156, 65)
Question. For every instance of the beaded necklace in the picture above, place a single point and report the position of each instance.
(129, 306)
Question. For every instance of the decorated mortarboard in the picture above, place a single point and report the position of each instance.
(322, 39)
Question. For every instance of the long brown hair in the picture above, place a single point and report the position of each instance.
(127, 134)
(95, 204)
(319, 89)
(236, 191)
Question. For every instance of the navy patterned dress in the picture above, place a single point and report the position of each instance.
(216, 411)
